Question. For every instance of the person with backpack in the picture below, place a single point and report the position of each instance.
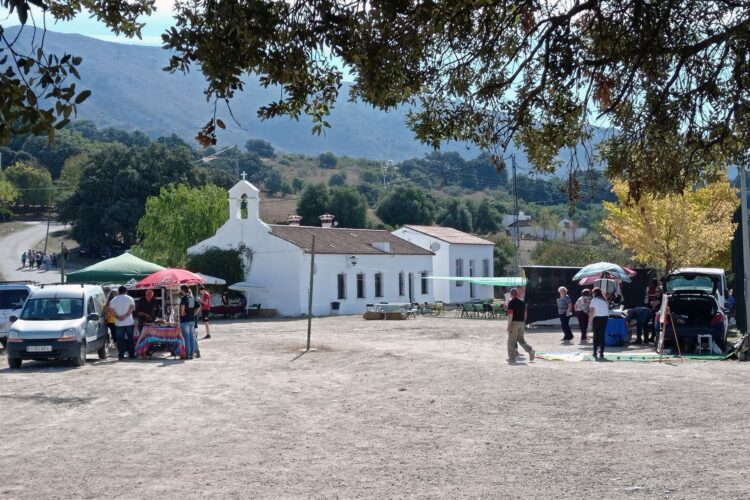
(581, 308)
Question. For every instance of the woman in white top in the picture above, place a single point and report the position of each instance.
(598, 314)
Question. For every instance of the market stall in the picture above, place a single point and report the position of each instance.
(165, 337)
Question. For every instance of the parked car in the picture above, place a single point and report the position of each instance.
(696, 301)
(59, 322)
(13, 294)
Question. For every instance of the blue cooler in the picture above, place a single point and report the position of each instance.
(616, 333)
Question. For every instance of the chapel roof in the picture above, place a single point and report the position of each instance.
(450, 235)
(334, 240)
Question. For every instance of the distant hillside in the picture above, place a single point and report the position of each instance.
(131, 92)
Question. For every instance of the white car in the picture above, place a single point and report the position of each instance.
(59, 322)
(13, 295)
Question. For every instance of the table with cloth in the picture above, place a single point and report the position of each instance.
(156, 337)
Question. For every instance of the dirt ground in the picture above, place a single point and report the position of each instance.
(424, 408)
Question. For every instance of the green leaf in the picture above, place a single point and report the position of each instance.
(82, 96)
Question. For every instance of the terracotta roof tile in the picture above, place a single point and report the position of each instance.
(450, 235)
(335, 240)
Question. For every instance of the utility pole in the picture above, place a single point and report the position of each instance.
(515, 211)
(310, 295)
(745, 240)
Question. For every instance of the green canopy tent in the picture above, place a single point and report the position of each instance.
(120, 269)
(497, 281)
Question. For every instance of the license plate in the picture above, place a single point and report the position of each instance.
(39, 348)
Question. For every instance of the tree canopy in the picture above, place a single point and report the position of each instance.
(492, 73)
(115, 185)
(407, 205)
(178, 218)
(690, 229)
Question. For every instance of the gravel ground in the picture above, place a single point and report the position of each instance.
(424, 408)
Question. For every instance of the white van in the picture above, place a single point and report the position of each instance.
(59, 322)
(13, 294)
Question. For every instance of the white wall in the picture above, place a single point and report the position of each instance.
(329, 266)
(477, 253)
(444, 264)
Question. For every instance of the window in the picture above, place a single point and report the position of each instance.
(401, 284)
(361, 286)
(472, 286)
(378, 284)
(342, 286)
(243, 207)
(486, 268)
(425, 288)
(459, 271)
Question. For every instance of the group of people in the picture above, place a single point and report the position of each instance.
(593, 304)
(38, 259)
(122, 313)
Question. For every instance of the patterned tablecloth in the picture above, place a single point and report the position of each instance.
(154, 338)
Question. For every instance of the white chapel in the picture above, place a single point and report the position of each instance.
(353, 267)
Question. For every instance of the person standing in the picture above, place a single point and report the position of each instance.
(187, 321)
(38, 259)
(582, 312)
(564, 312)
(123, 306)
(110, 317)
(147, 309)
(54, 260)
(23, 260)
(516, 326)
(46, 261)
(205, 299)
(65, 252)
(598, 314)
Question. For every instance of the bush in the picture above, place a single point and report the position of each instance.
(327, 160)
(225, 264)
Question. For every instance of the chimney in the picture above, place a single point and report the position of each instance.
(326, 220)
(294, 220)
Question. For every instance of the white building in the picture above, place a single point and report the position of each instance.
(354, 267)
(456, 254)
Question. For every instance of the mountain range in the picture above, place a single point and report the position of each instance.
(130, 91)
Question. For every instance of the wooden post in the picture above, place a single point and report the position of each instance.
(310, 295)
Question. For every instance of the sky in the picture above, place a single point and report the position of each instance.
(83, 25)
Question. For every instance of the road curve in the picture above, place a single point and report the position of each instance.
(14, 244)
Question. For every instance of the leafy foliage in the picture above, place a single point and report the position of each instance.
(114, 188)
(327, 160)
(178, 218)
(406, 205)
(349, 207)
(565, 253)
(33, 183)
(312, 204)
(226, 264)
(262, 148)
(8, 193)
(456, 214)
(673, 231)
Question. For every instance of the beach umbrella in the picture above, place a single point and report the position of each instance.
(169, 278)
(211, 280)
(603, 270)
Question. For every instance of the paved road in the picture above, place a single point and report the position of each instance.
(14, 244)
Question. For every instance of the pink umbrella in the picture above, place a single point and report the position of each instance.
(169, 277)
(588, 280)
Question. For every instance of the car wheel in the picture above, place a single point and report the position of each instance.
(102, 352)
(80, 360)
(14, 363)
